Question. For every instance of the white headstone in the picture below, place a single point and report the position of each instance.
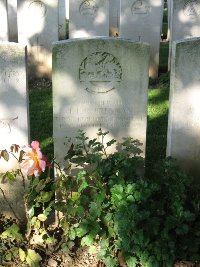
(183, 140)
(62, 20)
(38, 28)
(106, 86)
(140, 21)
(88, 18)
(4, 21)
(114, 11)
(185, 20)
(12, 20)
(67, 8)
(168, 18)
(14, 125)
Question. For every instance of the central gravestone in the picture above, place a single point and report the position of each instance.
(140, 21)
(88, 18)
(14, 126)
(106, 86)
(38, 28)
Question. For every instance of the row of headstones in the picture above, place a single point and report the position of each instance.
(106, 86)
(35, 23)
(39, 23)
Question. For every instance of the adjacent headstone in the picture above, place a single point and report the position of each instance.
(14, 125)
(88, 18)
(168, 18)
(67, 8)
(183, 140)
(62, 20)
(38, 28)
(140, 21)
(12, 20)
(114, 11)
(185, 20)
(106, 86)
(4, 21)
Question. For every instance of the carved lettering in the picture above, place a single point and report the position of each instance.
(38, 8)
(192, 8)
(6, 125)
(100, 72)
(9, 75)
(140, 7)
(88, 8)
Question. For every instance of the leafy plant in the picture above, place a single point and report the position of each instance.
(106, 202)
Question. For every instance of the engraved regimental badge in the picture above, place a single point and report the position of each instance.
(100, 72)
(192, 8)
(140, 7)
(88, 7)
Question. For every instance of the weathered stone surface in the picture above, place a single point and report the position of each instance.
(12, 20)
(183, 140)
(185, 21)
(62, 20)
(14, 125)
(4, 21)
(140, 21)
(114, 16)
(38, 28)
(88, 18)
(99, 82)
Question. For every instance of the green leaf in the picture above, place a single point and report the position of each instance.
(33, 258)
(22, 254)
(117, 194)
(72, 234)
(5, 155)
(31, 212)
(82, 186)
(8, 256)
(42, 217)
(13, 232)
(101, 254)
(131, 261)
(111, 142)
(92, 250)
(110, 262)
(87, 240)
(45, 196)
(82, 230)
(94, 210)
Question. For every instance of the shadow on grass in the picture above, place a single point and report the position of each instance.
(156, 126)
(41, 119)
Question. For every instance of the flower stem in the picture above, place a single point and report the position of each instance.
(5, 198)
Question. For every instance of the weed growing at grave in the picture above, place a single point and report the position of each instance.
(104, 202)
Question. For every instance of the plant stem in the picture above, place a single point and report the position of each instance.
(5, 198)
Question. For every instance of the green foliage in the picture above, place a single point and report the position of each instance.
(104, 201)
(151, 220)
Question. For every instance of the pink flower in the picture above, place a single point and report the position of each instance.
(33, 162)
